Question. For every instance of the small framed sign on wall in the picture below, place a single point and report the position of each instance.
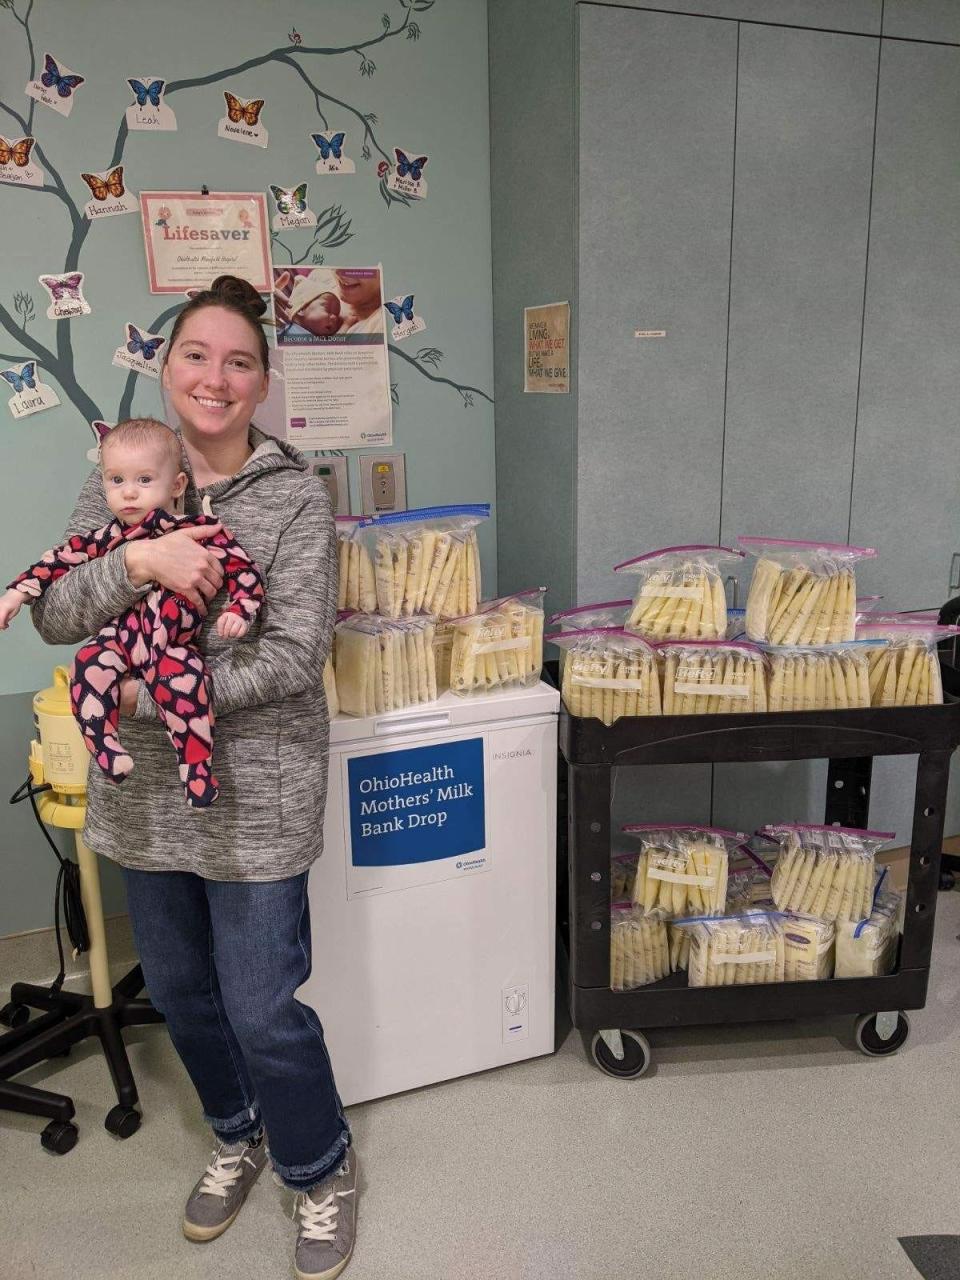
(546, 348)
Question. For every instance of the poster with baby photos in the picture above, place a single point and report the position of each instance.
(30, 395)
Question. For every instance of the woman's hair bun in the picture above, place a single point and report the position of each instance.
(233, 292)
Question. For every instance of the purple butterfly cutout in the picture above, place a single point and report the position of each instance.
(100, 430)
(63, 286)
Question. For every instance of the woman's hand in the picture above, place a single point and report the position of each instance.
(129, 690)
(179, 562)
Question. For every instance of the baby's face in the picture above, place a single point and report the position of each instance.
(136, 480)
(322, 315)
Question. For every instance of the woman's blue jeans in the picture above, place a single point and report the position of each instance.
(222, 960)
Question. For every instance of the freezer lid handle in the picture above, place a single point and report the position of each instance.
(409, 724)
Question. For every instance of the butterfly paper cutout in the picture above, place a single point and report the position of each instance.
(248, 112)
(18, 152)
(147, 92)
(111, 185)
(63, 286)
(402, 312)
(52, 75)
(293, 201)
(147, 347)
(407, 166)
(330, 146)
(23, 380)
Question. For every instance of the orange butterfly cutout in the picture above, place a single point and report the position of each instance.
(111, 185)
(18, 152)
(248, 112)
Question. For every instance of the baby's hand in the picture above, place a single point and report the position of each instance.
(11, 602)
(231, 626)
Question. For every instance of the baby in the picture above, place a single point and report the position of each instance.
(312, 305)
(155, 639)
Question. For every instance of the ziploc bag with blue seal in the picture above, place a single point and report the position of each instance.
(426, 560)
(831, 677)
(802, 593)
(682, 869)
(608, 673)
(712, 677)
(824, 871)
(868, 948)
(356, 585)
(905, 668)
(680, 593)
(638, 947)
(500, 646)
(727, 951)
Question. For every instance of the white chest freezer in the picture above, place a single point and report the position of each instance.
(433, 905)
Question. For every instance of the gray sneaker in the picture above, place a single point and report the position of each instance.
(219, 1195)
(328, 1224)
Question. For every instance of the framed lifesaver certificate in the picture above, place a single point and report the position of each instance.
(190, 239)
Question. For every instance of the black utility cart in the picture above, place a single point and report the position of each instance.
(589, 751)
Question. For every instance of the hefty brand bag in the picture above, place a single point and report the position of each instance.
(608, 673)
(680, 593)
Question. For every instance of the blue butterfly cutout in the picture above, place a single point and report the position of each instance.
(52, 75)
(403, 312)
(145, 91)
(24, 379)
(407, 166)
(330, 146)
(148, 347)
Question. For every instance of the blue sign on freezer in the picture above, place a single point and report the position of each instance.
(417, 805)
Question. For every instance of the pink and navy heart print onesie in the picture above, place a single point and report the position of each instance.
(154, 640)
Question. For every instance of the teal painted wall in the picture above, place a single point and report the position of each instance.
(418, 67)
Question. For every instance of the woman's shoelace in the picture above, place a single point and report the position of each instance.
(222, 1174)
(319, 1221)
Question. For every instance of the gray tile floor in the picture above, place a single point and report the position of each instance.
(749, 1153)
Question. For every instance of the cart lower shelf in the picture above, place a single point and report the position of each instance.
(671, 1003)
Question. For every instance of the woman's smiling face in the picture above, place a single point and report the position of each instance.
(213, 375)
(359, 290)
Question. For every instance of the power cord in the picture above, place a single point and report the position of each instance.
(68, 886)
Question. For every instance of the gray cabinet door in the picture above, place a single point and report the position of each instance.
(805, 110)
(905, 481)
(656, 132)
(656, 135)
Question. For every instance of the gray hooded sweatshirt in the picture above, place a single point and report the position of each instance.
(271, 734)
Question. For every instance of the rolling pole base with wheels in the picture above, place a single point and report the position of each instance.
(67, 1017)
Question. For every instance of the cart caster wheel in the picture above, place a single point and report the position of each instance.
(59, 1137)
(636, 1055)
(870, 1041)
(14, 1015)
(122, 1122)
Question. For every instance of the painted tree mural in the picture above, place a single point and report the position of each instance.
(18, 311)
